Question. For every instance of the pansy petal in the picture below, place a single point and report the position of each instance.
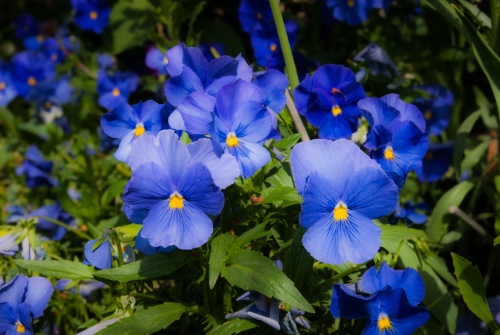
(347, 304)
(252, 122)
(303, 96)
(101, 257)
(179, 87)
(273, 83)
(181, 56)
(38, 295)
(378, 112)
(408, 112)
(120, 121)
(123, 151)
(12, 293)
(250, 157)
(176, 121)
(196, 111)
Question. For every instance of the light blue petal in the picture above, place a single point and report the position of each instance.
(273, 83)
(101, 257)
(179, 87)
(13, 292)
(38, 295)
(196, 111)
(123, 151)
(408, 112)
(250, 157)
(120, 121)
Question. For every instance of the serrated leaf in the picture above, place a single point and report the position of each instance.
(218, 249)
(232, 327)
(459, 142)
(58, 269)
(440, 217)
(274, 194)
(393, 235)
(147, 321)
(250, 270)
(471, 285)
(150, 267)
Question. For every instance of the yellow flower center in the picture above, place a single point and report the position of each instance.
(31, 81)
(116, 92)
(427, 115)
(389, 153)
(47, 105)
(53, 57)
(232, 140)
(340, 212)
(2, 86)
(336, 110)
(273, 47)
(350, 3)
(165, 60)
(176, 201)
(19, 327)
(384, 323)
(93, 15)
(139, 130)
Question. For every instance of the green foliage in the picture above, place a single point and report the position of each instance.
(235, 326)
(58, 269)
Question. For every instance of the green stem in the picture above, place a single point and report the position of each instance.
(285, 44)
(338, 276)
(68, 227)
(119, 247)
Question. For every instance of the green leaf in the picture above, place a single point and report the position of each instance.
(440, 217)
(247, 236)
(496, 241)
(459, 142)
(147, 321)
(393, 235)
(111, 192)
(274, 194)
(250, 270)
(471, 285)
(475, 12)
(437, 296)
(298, 262)
(150, 267)
(218, 249)
(475, 155)
(234, 326)
(58, 269)
(439, 266)
(287, 142)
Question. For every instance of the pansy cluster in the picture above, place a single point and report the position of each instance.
(355, 12)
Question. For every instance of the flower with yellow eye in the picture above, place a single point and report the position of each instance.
(91, 15)
(115, 88)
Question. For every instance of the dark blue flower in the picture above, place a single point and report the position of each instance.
(157, 60)
(377, 59)
(128, 123)
(142, 244)
(273, 84)
(353, 12)
(7, 89)
(391, 304)
(55, 212)
(50, 96)
(115, 88)
(436, 162)
(328, 101)
(30, 69)
(175, 187)
(210, 50)
(190, 73)
(409, 213)
(252, 12)
(26, 25)
(397, 138)
(107, 143)
(303, 64)
(52, 49)
(101, 257)
(437, 108)
(36, 169)
(91, 15)
(105, 61)
(265, 40)
(22, 300)
(343, 191)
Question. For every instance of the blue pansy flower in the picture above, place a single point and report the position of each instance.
(260, 309)
(436, 162)
(91, 15)
(115, 88)
(107, 143)
(377, 59)
(437, 108)
(29, 69)
(36, 169)
(389, 301)
(101, 257)
(343, 191)
(142, 244)
(22, 300)
(86, 287)
(55, 212)
(105, 61)
(328, 101)
(210, 50)
(273, 84)
(397, 138)
(8, 244)
(190, 73)
(52, 49)
(303, 64)
(252, 12)
(266, 42)
(175, 187)
(7, 89)
(237, 119)
(157, 60)
(50, 96)
(26, 25)
(129, 122)
(411, 213)
(353, 12)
